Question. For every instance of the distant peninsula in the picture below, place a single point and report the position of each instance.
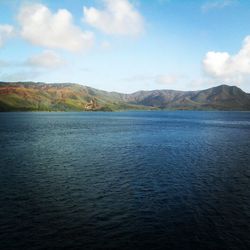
(36, 96)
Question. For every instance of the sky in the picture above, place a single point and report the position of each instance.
(127, 45)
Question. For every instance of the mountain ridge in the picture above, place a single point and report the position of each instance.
(39, 96)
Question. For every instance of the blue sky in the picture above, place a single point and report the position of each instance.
(127, 45)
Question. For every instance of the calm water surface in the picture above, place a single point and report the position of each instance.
(128, 180)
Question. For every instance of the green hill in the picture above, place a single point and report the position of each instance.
(30, 96)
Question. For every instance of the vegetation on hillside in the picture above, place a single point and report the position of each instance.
(29, 96)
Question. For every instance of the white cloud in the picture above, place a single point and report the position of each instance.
(119, 17)
(47, 59)
(6, 31)
(219, 4)
(229, 68)
(52, 30)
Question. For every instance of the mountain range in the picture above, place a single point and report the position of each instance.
(32, 96)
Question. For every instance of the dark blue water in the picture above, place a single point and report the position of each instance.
(129, 180)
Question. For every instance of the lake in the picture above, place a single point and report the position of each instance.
(125, 180)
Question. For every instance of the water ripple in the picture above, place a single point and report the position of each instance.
(127, 180)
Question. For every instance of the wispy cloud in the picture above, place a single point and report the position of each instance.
(6, 31)
(166, 80)
(47, 59)
(23, 75)
(218, 4)
(105, 45)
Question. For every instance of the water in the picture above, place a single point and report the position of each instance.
(128, 180)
